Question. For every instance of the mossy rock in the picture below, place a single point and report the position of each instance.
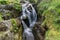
(13, 13)
(16, 3)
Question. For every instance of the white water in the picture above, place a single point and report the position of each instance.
(32, 17)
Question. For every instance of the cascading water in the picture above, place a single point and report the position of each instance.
(28, 12)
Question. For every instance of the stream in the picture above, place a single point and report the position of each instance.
(29, 18)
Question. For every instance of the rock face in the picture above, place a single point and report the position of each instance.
(10, 25)
(5, 30)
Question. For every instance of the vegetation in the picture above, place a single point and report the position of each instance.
(50, 9)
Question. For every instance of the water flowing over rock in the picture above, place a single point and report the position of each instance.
(10, 12)
(28, 13)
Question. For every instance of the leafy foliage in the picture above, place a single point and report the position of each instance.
(14, 24)
(51, 10)
(16, 3)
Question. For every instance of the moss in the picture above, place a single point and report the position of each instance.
(3, 2)
(1, 16)
(16, 4)
(14, 25)
(20, 32)
(17, 8)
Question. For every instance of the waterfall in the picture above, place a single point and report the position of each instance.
(28, 12)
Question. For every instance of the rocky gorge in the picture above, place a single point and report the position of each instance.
(48, 20)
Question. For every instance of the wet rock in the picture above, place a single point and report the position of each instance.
(5, 33)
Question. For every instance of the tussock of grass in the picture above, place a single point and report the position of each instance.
(51, 10)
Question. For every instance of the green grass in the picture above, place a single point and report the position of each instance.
(51, 10)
